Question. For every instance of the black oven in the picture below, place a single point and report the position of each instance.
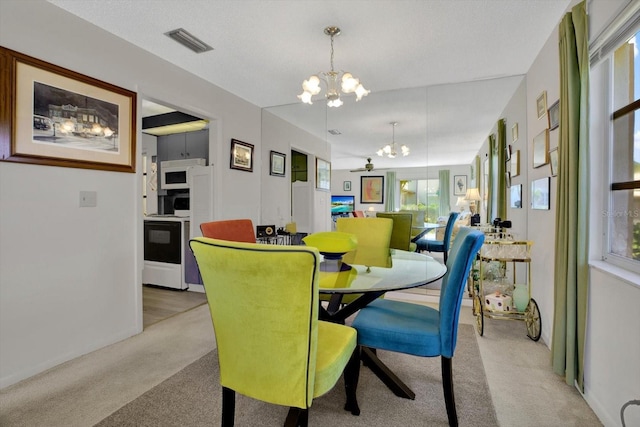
(162, 241)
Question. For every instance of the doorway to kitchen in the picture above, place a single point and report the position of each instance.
(161, 123)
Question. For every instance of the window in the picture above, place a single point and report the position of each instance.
(623, 215)
(421, 194)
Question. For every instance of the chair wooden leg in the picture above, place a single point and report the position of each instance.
(228, 407)
(297, 417)
(351, 377)
(447, 386)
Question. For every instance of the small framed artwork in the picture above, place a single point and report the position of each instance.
(372, 189)
(515, 164)
(514, 133)
(346, 185)
(541, 104)
(540, 194)
(323, 174)
(459, 185)
(541, 149)
(516, 197)
(507, 153)
(554, 115)
(241, 156)
(507, 179)
(277, 163)
(553, 161)
(58, 117)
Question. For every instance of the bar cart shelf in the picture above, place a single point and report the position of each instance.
(496, 260)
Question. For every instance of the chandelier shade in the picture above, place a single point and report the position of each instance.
(337, 82)
(389, 150)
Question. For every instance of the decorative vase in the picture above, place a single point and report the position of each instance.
(520, 297)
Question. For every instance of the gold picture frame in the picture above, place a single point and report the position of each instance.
(541, 104)
(57, 117)
(541, 149)
(515, 164)
(553, 161)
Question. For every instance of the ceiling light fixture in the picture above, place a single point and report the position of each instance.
(349, 84)
(389, 150)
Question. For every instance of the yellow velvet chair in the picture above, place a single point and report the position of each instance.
(401, 231)
(374, 237)
(271, 346)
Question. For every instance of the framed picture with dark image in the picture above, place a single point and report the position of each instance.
(277, 162)
(241, 156)
(58, 117)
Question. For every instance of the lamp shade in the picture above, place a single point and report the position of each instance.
(472, 194)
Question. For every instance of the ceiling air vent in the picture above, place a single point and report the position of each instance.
(188, 40)
(334, 132)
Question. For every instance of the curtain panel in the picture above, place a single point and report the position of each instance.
(390, 203)
(501, 179)
(571, 273)
(445, 191)
(490, 179)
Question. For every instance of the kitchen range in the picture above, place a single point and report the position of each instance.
(168, 261)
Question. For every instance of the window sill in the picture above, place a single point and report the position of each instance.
(619, 273)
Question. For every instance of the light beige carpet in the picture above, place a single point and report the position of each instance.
(192, 397)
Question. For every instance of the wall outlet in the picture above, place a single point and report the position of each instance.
(88, 199)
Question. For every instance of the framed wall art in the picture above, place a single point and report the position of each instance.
(241, 156)
(541, 104)
(323, 174)
(277, 163)
(554, 115)
(514, 133)
(459, 185)
(515, 164)
(553, 161)
(516, 196)
(540, 193)
(346, 185)
(541, 149)
(59, 117)
(372, 189)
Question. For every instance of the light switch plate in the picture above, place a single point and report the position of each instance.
(88, 199)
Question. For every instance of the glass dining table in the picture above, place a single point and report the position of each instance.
(352, 287)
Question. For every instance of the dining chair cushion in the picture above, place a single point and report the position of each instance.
(330, 357)
(401, 231)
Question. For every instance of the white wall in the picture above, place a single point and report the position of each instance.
(70, 277)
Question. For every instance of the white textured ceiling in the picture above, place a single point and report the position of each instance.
(461, 54)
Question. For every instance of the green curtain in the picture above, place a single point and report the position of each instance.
(445, 191)
(390, 196)
(571, 273)
(501, 179)
(490, 179)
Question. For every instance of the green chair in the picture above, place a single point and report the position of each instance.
(271, 346)
(374, 237)
(401, 232)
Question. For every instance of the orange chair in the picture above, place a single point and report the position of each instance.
(235, 230)
(358, 214)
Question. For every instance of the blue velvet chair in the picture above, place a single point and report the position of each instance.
(440, 245)
(420, 330)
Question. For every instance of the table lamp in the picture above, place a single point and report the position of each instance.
(473, 197)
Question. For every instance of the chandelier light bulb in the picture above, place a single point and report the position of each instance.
(348, 83)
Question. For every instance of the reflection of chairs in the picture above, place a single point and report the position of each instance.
(374, 236)
(358, 214)
(420, 330)
(418, 221)
(401, 232)
(276, 351)
(237, 230)
(440, 245)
